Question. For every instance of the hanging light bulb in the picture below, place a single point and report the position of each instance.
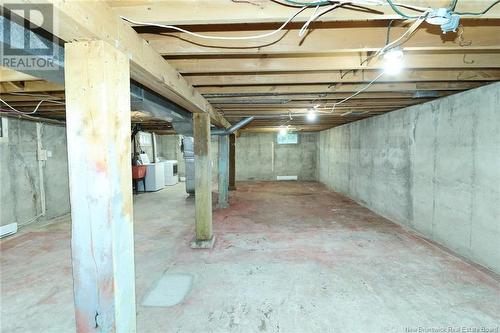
(393, 61)
(311, 115)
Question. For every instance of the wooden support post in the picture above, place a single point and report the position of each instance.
(232, 162)
(223, 201)
(203, 181)
(98, 132)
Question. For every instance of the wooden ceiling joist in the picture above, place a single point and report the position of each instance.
(342, 77)
(84, 20)
(278, 76)
(325, 38)
(210, 12)
(344, 87)
(340, 61)
(316, 98)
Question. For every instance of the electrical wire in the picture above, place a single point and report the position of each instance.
(173, 27)
(315, 16)
(478, 13)
(36, 108)
(404, 37)
(453, 5)
(312, 18)
(306, 25)
(22, 115)
(306, 5)
(329, 2)
(388, 35)
(358, 92)
(309, 4)
(395, 8)
(399, 41)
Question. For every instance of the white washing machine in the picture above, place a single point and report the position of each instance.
(155, 177)
(171, 175)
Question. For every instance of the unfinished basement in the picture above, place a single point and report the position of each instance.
(250, 166)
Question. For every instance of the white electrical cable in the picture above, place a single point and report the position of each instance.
(404, 37)
(314, 16)
(304, 28)
(306, 25)
(401, 39)
(358, 92)
(173, 27)
(36, 108)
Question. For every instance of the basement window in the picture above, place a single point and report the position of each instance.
(288, 138)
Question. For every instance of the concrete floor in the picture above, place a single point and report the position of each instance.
(288, 257)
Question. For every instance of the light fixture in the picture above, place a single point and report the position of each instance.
(311, 115)
(393, 61)
(283, 130)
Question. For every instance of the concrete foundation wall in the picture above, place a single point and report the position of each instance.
(259, 157)
(20, 195)
(169, 148)
(433, 167)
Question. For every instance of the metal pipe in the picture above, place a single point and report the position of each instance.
(233, 128)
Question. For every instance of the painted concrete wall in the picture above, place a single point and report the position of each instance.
(259, 157)
(20, 186)
(433, 167)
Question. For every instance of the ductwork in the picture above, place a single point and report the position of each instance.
(158, 107)
(188, 151)
(141, 98)
(233, 128)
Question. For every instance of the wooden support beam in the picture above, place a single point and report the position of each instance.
(223, 171)
(340, 61)
(98, 131)
(232, 162)
(255, 11)
(84, 20)
(203, 182)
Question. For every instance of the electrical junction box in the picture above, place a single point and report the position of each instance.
(445, 18)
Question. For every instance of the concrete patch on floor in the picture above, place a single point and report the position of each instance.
(169, 290)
